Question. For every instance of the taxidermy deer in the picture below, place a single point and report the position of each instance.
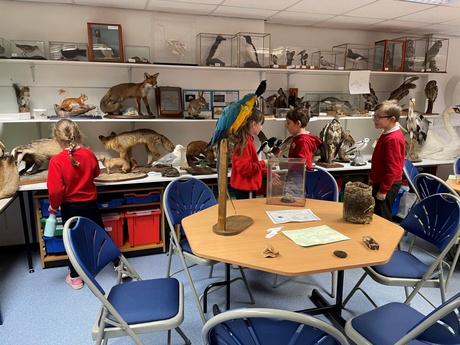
(111, 102)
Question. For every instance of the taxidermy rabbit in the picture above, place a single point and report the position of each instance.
(194, 107)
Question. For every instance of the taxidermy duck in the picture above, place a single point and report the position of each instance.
(435, 146)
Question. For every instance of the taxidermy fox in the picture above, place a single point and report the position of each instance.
(111, 102)
(124, 142)
(35, 154)
(111, 163)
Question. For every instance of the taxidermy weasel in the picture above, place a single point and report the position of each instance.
(111, 163)
(124, 142)
(69, 103)
(23, 97)
(35, 154)
(111, 102)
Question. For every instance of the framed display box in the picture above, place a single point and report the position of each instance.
(70, 51)
(389, 55)
(326, 60)
(414, 53)
(436, 55)
(169, 101)
(105, 42)
(217, 111)
(222, 98)
(21, 49)
(215, 49)
(353, 56)
(193, 95)
(253, 49)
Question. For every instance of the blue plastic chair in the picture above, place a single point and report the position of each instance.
(128, 309)
(410, 171)
(398, 324)
(428, 184)
(184, 197)
(263, 326)
(457, 166)
(436, 221)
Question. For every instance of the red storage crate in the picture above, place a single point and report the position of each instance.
(143, 226)
(113, 224)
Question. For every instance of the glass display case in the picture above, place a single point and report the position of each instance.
(22, 49)
(286, 182)
(414, 55)
(253, 49)
(5, 48)
(353, 56)
(326, 60)
(389, 55)
(216, 50)
(137, 54)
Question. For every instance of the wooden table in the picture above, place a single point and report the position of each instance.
(453, 183)
(245, 249)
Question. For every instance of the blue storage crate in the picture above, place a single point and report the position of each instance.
(44, 204)
(54, 245)
(110, 203)
(134, 198)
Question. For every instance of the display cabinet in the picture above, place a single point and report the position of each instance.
(253, 49)
(389, 55)
(216, 50)
(353, 56)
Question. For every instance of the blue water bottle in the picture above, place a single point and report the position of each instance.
(50, 225)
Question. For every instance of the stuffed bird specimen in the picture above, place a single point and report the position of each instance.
(174, 159)
(355, 58)
(358, 146)
(215, 52)
(431, 93)
(234, 116)
(417, 125)
(403, 89)
(270, 147)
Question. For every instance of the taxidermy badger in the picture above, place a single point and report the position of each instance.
(111, 102)
(35, 154)
(9, 176)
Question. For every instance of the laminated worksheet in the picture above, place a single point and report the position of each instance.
(286, 216)
(315, 235)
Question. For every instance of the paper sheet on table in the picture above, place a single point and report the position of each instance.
(286, 216)
(315, 235)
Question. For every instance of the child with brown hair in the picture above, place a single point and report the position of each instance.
(387, 158)
(70, 181)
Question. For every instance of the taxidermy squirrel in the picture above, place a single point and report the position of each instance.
(23, 97)
(124, 142)
(69, 103)
(35, 154)
(111, 102)
(111, 163)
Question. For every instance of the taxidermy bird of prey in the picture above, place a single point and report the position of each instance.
(417, 126)
(289, 57)
(371, 99)
(303, 57)
(215, 52)
(354, 58)
(431, 93)
(270, 147)
(356, 148)
(174, 159)
(403, 89)
(324, 63)
(234, 116)
(251, 51)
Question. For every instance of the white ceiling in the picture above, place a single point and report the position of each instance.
(375, 15)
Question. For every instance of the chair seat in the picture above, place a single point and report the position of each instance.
(402, 265)
(400, 318)
(155, 299)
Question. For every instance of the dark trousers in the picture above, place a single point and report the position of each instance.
(86, 209)
(244, 194)
(383, 207)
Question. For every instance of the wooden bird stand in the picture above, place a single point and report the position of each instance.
(233, 225)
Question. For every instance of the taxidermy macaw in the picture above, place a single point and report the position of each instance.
(234, 116)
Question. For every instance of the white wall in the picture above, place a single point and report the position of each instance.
(67, 23)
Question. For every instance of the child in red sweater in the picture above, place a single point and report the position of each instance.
(70, 181)
(387, 158)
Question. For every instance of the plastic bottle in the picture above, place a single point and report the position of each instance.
(50, 225)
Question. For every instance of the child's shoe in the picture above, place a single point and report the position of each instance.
(76, 283)
(123, 274)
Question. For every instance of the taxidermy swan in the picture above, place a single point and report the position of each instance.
(435, 146)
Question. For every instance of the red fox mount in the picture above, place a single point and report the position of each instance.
(111, 103)
(124, 142)
(111, 163)
(35, 154)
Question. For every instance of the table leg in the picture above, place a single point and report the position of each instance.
(26, 232)
(332, 311)
(226, 283)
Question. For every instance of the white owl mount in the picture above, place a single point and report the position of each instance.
(253, 49)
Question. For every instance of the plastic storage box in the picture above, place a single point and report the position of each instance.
(113, 225)
(54, 245)
(110, 203)
(134, 198)
(143, 226)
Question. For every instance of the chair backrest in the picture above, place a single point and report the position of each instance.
(432, 328)
(428, 184)
(435, 219)
(265, 326)
(457, 166)
(320, 184)
(186, 196)
(89, 248)
(410, 171)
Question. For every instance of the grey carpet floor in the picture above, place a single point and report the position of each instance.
(40, 308)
